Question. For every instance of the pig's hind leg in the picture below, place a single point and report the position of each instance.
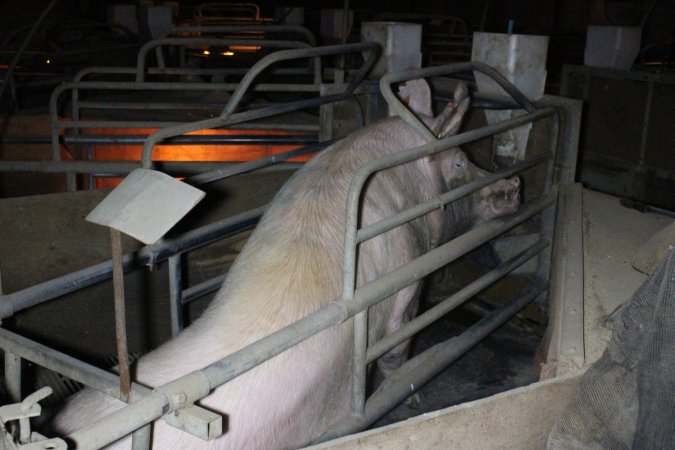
(404, 308)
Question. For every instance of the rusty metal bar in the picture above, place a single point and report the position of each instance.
(120, 315)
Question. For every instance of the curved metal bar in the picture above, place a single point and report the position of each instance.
(228, 118)
(408, 116)
(143, 52)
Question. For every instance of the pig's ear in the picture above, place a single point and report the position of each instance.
(448, 122)
(417, 95)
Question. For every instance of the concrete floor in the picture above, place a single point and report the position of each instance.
(612, 236)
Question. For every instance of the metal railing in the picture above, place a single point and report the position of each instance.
(178, 396)
(176, 129)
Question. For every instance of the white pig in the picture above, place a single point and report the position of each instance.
(292, 266)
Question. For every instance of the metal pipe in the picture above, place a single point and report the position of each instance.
(203, 288)
(176, 293)
(143, 52)
(359, 363)
(134, 86)
(68, 366)
(396, 280)
(438, 202)
(151, 254)
(228, 118)
(420, 369)
(13, 376)
(242, 139)
(408, 116)
(155, 124)
(104, 381)
(219, 174)
(103, 70)
(113, 168)
(428, 317)
(140, 439)
(155, 405)
(239, 28)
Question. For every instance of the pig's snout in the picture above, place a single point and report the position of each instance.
(499, 198)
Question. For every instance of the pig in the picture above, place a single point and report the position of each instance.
(292, 265)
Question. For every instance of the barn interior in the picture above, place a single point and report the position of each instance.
(573, 97)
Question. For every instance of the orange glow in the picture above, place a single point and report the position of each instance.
(244, 48)
(214, 152)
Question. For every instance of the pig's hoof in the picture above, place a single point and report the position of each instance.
(415, 401)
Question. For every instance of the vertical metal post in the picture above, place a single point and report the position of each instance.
(90, 157)
(176, 293)
(360, 362)
(140, 439)
(13, 376)
(120, 315)
(71, 181)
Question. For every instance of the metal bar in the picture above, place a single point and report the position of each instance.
(203, 288)
(228, 118)
(410, 118)
(420, 369)
(183, 86)
(131, 85)
(178, 168)
(153, 406)
(13, 376)
(359, 179)
(184, 71)
(423, 208)
(143, 52)
(71, 181)
(219, 174)
(156, 124)
(359, 363)
(250, 28)
(428, 317)
(135, 139)
(73, 368)
(151, 254)
(120, 315)
(204, 422)
(140, 439)
(396, 280)
(176, 293)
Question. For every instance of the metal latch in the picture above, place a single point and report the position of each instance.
(22, 412)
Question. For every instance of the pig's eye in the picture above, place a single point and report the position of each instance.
(459, 164)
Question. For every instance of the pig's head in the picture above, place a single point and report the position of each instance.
(497, 199)
(452, 168)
